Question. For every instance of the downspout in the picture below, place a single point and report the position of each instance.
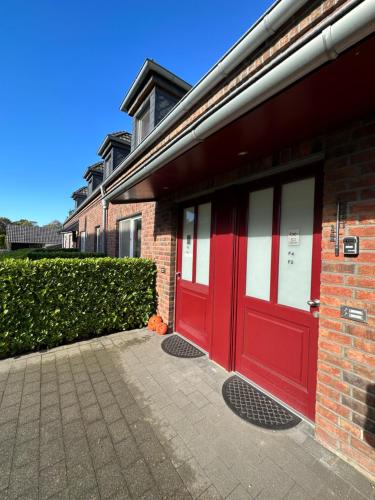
(353, 27)
(105, 204)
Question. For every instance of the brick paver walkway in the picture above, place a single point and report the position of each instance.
(116, 417)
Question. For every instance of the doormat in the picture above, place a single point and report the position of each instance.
(176, 346)
(255, 407)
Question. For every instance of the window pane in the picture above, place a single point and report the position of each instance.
(296, 235)
(124, 238)
(97, 240)
(83, 241)
(259, 244)
(137, 237)
(187, 244)
(203, 244)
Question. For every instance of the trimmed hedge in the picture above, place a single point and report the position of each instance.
(43, 253)
(48, 302)
(61, 254)
(21, 253)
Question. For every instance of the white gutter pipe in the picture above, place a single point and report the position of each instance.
(353, 27)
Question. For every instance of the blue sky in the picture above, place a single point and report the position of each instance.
(65, 68)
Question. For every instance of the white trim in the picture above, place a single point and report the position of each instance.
(131, 221)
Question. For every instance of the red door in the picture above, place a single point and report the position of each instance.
(278, 277)
(193, 291)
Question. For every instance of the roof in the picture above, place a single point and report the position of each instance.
(32, 234)
(123, 138)
(149, 67)
(95, 167)
(82, 191)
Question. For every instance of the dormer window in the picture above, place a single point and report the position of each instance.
(142, 124)
(115, 147)
(153, 94)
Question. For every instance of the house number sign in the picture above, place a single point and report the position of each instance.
(293, 237)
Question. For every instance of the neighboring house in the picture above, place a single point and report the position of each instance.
(242, 189)
(31, 236)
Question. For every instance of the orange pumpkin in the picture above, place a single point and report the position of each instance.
(161, 328)
(153, 322)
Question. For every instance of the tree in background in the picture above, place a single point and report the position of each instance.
(4, 221)
(24, 222)
(55, 224)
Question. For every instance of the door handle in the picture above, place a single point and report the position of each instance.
(314, 303)
(178, 275)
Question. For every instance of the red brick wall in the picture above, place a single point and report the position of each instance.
(345, 419)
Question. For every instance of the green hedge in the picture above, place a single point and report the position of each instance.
(48, 302)
(42, 253)
(61, 254)
(15, 254)
(2, 240)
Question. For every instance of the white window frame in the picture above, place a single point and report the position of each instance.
(140, 131)
(97, 238)
(121, 251)
(82, 241)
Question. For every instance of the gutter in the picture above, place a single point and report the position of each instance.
(277, 15)
(349, 29)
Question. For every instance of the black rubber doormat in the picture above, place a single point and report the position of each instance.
(176, 346)
(254, 406)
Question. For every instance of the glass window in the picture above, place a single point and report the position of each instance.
(259, 244)
(187, 244)
(83, 241)
(296, 240)
(97, 239)
(130, 233)
(143, 124)
(202, 272)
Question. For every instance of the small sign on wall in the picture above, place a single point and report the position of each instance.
(354, 313)
(293, 237)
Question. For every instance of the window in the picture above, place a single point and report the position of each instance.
(196, 242)
(108, 166)
(130, 232)
(142, 124)
(82, 237)
(97, 239)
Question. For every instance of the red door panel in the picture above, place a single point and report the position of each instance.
(281, 348)
(276, 345)
(193, 299)
(193, 318)
(223, 280)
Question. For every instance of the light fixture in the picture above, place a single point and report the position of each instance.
(242, 153)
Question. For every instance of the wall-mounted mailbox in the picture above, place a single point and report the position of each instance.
(351, 246)
(353, 313)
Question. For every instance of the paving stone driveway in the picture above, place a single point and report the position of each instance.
(116, 417)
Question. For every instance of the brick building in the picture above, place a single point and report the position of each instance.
(242, 188)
